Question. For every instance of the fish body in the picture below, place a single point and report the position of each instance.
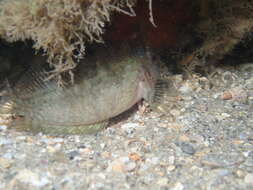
(104, 87)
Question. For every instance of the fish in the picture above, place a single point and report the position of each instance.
(106, 84)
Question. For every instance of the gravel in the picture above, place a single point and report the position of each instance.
(199, 138)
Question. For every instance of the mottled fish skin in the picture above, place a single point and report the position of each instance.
(104, 87)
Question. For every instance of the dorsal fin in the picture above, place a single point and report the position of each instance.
(23, 85)
(34, 78)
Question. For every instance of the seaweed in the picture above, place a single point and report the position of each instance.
(61, 28)
(221, 26)
(225, 24)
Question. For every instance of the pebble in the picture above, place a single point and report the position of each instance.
(134, 157)
(171, 168)
(184, 138)
(178, 186)
(248, 179)
(129, 166)
(129, 128)
(219, 172)
(29, 177)
(21, 138)
(217, 95)
(51, 149)
(3, 127)
(236, 94)
(56, 140)
(8, 156)
(4, 141)
(162, 181)
(71, 155)
(5, 163)
(171, 160)
(178, 78)
(175, 112)
(223, 116)
(187, 148)
(249, 83)
(240, 173)
(102, 145)
(123, 164)
(186, 88)
(153, 160)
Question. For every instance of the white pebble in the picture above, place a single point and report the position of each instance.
(248, 179)
(129, 127)
(178, 186)
(27, 176)
(3, 127)
(162, 181)
(4, 141)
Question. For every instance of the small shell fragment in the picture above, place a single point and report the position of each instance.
(236, 94)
